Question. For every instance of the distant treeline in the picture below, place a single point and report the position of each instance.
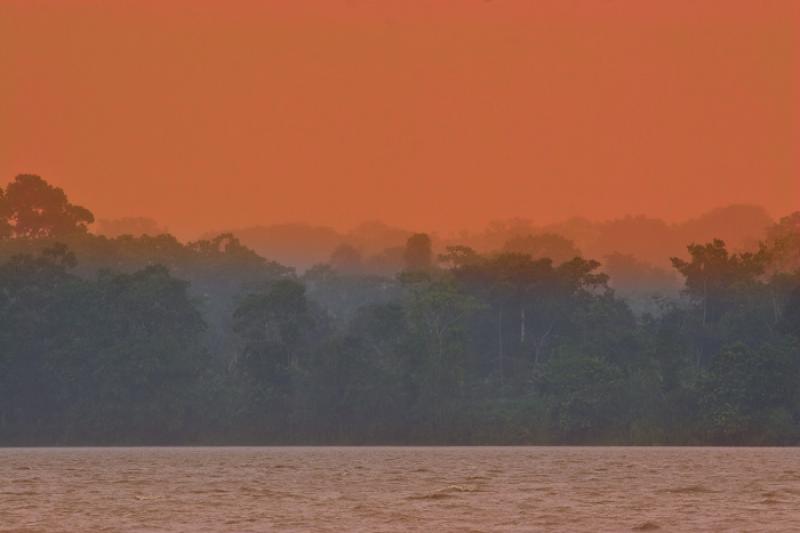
(377, 248)
(147, 340)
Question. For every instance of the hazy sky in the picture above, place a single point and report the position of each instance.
(432, 115)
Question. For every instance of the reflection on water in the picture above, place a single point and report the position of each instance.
(399, 489)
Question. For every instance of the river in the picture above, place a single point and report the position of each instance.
(338, 489)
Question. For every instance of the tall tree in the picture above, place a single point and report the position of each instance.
(148, 358)
(418, 254)
(37, 209)
(782, 244)
(712, 273)
(6, 229)
(273, 325)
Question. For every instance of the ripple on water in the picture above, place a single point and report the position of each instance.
(221, 490)
(646, 526)
(689, 489)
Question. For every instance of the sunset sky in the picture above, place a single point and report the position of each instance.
(432, 115)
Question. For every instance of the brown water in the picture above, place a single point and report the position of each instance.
(399, 489)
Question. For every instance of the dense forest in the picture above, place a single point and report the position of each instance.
(143, 339)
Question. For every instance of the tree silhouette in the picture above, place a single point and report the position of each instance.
(37, 209)
(418, 255)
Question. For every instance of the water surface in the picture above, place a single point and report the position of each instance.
(398, 489)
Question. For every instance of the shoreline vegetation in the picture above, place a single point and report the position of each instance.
(145, 340)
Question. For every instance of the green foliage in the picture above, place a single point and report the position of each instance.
(713, 276)
(585, 394)
(437, 317)
(273, 324)
(95, 361)
(149, 340)
(745, 388)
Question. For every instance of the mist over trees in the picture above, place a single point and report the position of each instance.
(134, 226)
(520, 334)
(637, 248)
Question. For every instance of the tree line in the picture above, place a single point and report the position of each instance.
(147, 340)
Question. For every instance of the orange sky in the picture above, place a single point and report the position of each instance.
(432, 115)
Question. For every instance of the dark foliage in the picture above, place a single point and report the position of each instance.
(144, 339)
